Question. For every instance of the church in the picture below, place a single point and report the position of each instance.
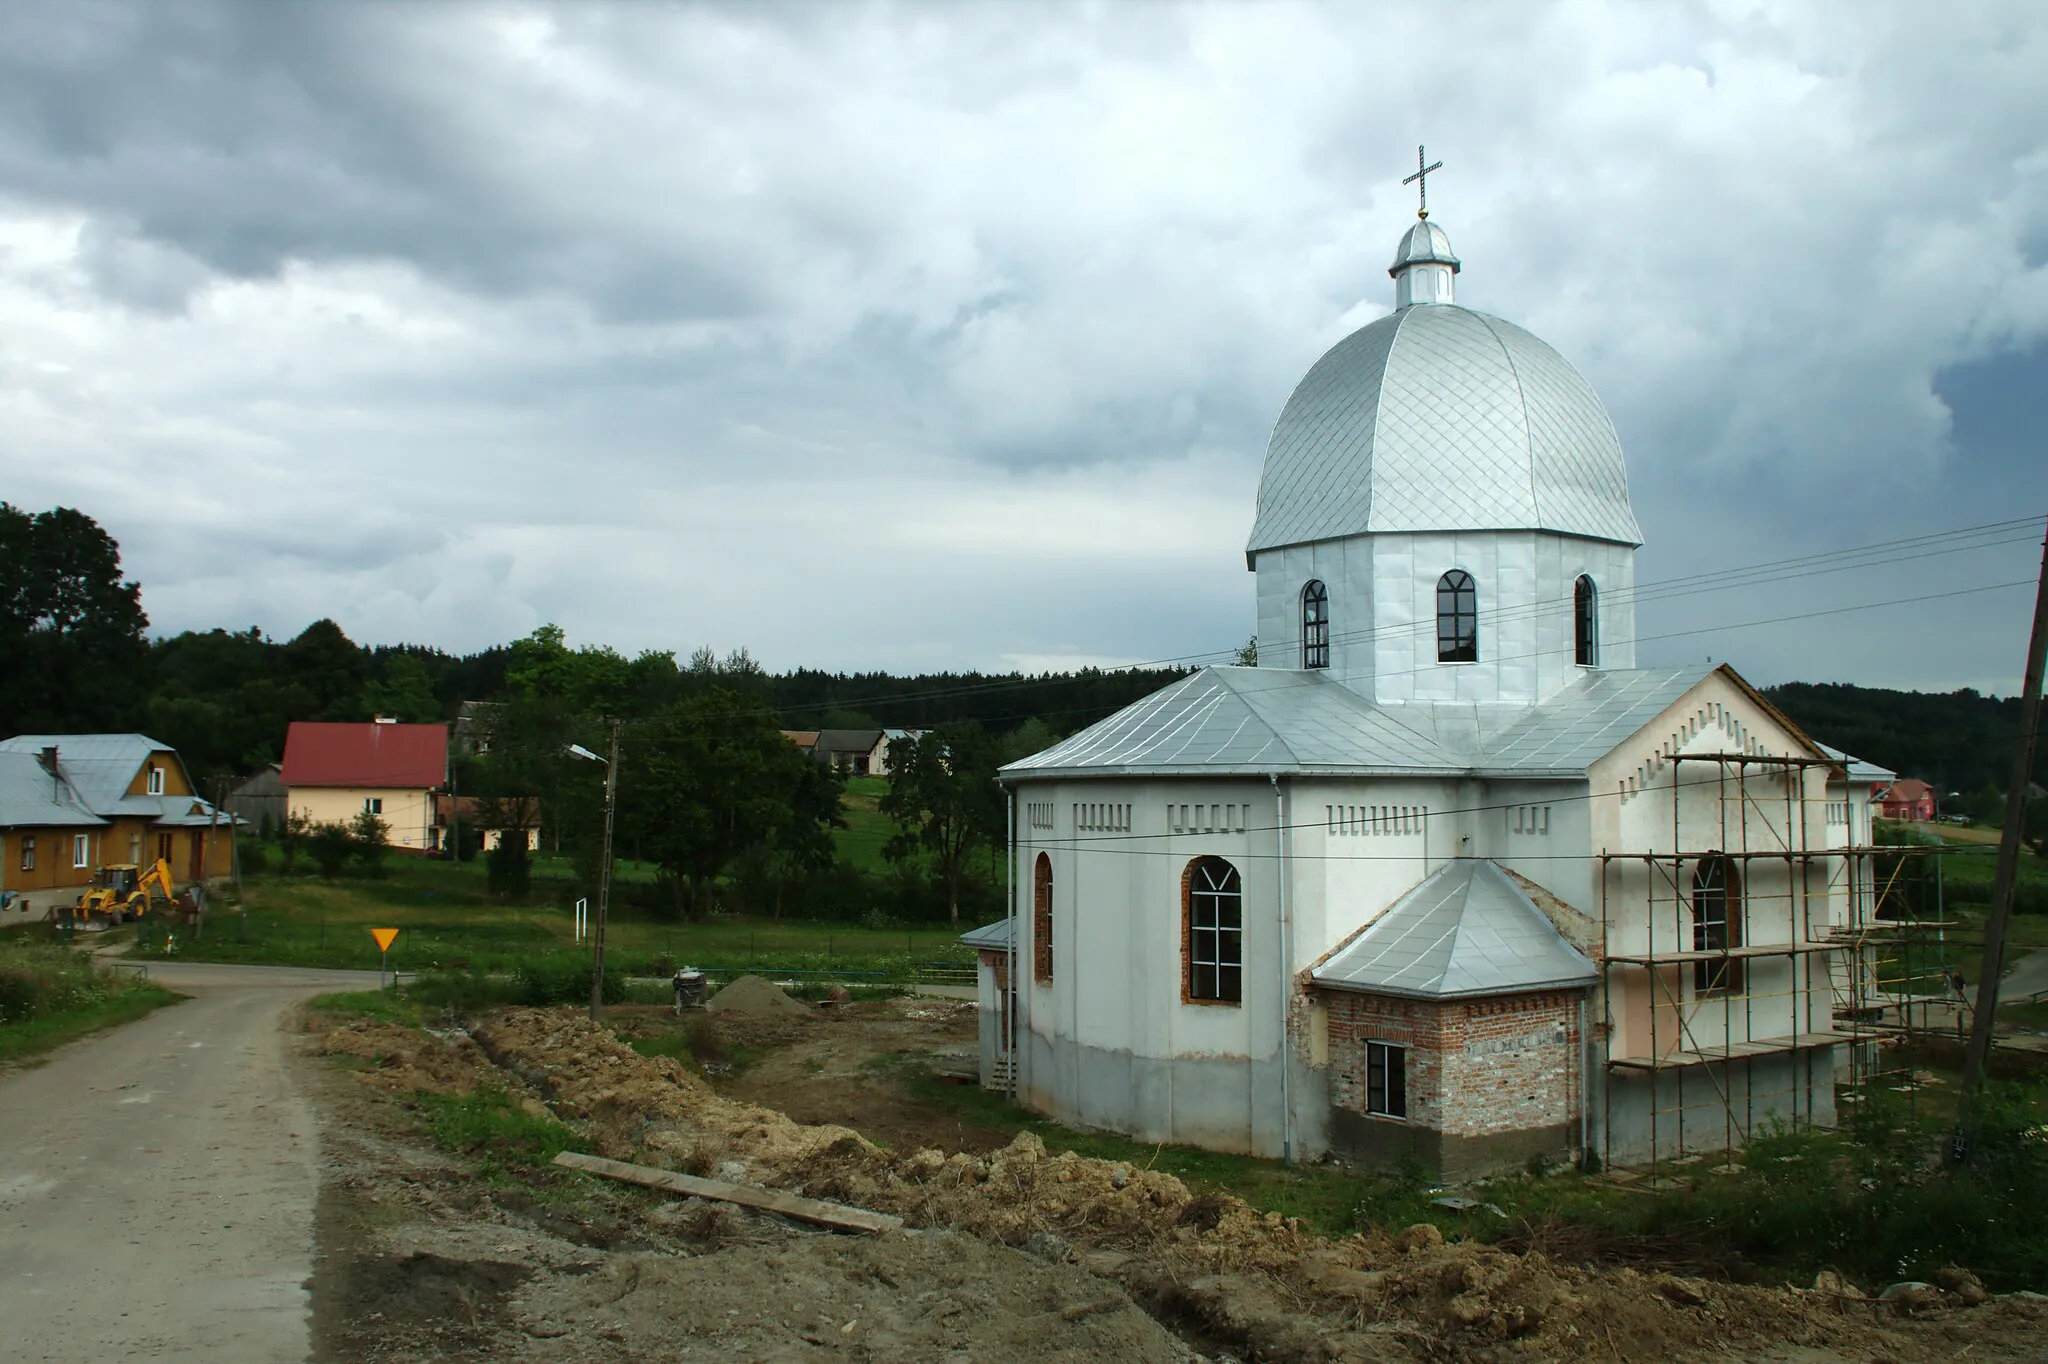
(1445, 877)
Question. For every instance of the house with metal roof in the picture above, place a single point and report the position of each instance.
(71, 804)
(1446, 875)
(337, 773)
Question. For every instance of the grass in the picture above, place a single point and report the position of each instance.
(867, 828)
(488, 1124)
(447, 920)
(24, 1041)
(375, 1006)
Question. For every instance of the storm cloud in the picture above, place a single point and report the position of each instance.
(927, 336)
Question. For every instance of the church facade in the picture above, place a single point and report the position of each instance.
(1445, 876)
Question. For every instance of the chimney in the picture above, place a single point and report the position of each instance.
(48, 758)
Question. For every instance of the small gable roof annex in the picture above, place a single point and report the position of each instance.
(1464, 930)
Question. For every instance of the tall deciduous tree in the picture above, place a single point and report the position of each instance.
(945, 801)
(70, 627)
(712, 778)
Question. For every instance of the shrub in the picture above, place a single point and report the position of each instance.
(553, 981)
(372, 840)
(509, 870)
(333, 844)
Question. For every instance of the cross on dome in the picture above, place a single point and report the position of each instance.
(1421, 180)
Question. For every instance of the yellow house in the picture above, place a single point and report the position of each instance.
(336, 773)
(73, 803)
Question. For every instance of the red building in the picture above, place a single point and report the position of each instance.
(1908, 799)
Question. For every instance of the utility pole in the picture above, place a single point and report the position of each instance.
(1993, 965)
(604, 879)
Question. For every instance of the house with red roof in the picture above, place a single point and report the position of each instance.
(1908, 799)
(334, 773)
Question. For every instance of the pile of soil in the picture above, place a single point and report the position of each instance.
(1256, 1281)
(757, 997)
(929, 1295)
(407, 1060)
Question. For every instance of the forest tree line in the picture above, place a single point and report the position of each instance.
(79, 659)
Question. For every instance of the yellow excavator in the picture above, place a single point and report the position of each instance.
(122, 891)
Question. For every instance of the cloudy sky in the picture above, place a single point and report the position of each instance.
(921, 336)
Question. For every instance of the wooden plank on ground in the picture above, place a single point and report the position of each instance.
(835, 1215)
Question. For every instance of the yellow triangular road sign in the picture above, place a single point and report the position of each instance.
(385, 937)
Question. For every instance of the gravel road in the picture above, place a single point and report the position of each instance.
(157, 1182)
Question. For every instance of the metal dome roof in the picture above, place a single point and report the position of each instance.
(1439, 418)
(1424, 242)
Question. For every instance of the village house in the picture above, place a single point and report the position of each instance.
(258, 800)
(1447, 877)
(856, 752)
(1908, 799)
(468, 810)
(71, 804)
(335, 773)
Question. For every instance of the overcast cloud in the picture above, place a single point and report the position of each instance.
(913, 337)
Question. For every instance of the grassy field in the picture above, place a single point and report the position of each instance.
(50, 995)
(447, 921)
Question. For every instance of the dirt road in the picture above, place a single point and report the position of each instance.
(157, 1182)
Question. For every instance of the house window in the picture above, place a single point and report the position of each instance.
(1716, 924)
(1386, 1079)
(1213, 902)
(1457, 618)
(156, 780)
(1041, 919)
(28, 852)
(373, 805)
(1585, 623)
(81, 850)
(1315, 626)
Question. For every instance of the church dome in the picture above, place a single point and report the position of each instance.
(1439, 418)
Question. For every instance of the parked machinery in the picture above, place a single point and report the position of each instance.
(123, 890)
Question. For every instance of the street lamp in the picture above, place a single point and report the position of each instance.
(604, 867)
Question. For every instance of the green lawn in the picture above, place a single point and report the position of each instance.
(446, 920)
(867, 828)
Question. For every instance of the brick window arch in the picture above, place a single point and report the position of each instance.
(1041, 920)
(1212, 942)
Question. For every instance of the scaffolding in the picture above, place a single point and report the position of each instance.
(1812, 963)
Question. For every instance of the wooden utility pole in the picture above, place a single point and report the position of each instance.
(1992, 967)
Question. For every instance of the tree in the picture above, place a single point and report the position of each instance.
(70, 628)
(405, 690)
(710, 779)
(1248, 653)
(370, 839)
(333, 842)
(508, 871)
(945, 801)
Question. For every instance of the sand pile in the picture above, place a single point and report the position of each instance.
(756, 997)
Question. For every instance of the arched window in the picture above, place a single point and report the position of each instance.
(1716, 924)
(1212, 906)
(1585, 623)
(1315, 626)
(1457, 618)
(1041, 920)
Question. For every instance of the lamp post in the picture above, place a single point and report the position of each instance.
(604, 868)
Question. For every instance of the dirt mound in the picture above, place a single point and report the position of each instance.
(1256, 1282)
(407, 1059)
(757, 997)
(928, 1295)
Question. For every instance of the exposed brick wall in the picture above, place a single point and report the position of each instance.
(1476, 1068)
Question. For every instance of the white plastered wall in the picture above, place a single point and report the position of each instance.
(1382, 591)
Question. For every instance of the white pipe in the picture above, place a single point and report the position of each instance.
(1010, 1033)
(1286, 840)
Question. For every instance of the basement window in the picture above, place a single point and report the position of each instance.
(1386, 1079)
